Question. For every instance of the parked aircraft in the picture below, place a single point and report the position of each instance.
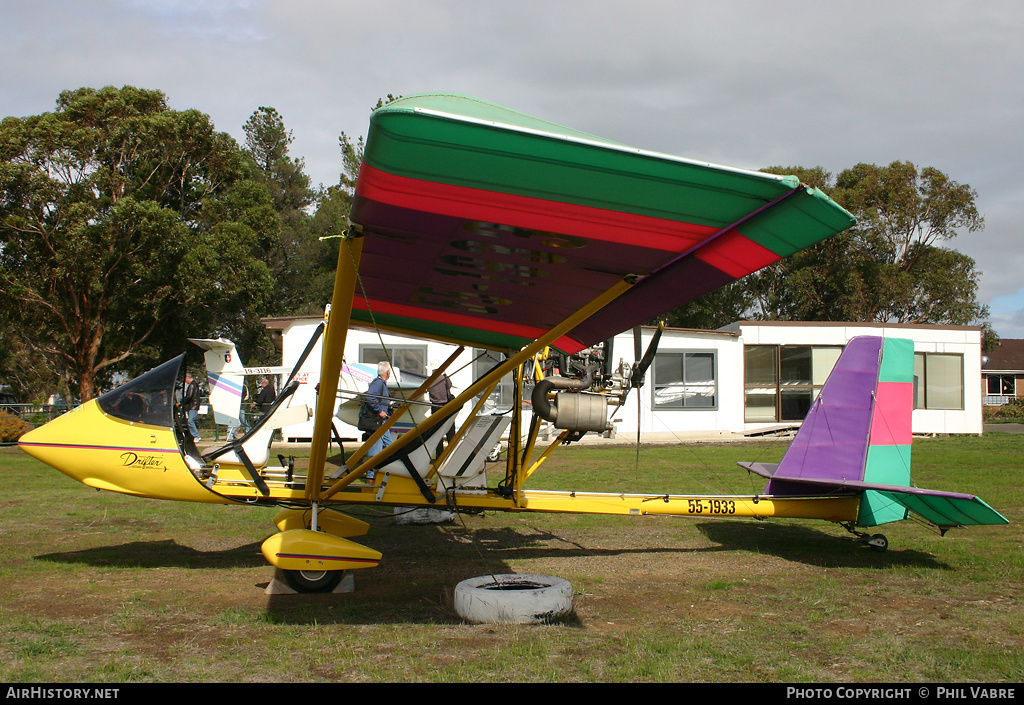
(226, 379)
(479, 226)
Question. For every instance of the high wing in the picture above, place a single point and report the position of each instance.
(487, 227)
(480, 226)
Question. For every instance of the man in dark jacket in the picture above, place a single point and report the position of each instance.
(379, 400)
(440, 394)
(190, 405)
(265, 397)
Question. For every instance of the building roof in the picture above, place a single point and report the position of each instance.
(1009, 356)
(849, 324)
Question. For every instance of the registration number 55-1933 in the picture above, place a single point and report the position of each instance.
(711, 506)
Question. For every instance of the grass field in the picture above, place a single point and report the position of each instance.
(101, 587)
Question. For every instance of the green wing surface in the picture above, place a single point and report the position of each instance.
(487, 227)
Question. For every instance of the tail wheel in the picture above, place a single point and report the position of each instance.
(313, 580)
(878, 542)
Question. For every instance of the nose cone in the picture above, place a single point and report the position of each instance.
(53, 443)
(108, 453)
(38, 439)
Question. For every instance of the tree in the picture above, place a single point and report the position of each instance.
(333, 205)
(890, 267)
(713, 310)
(352, 157)
(293, 257)
(124, 227)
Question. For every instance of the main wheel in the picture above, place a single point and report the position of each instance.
(878, 542)
(519, 599)
(312, 580)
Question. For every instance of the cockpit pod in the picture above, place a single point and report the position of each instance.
(125, 441)
(147, 399)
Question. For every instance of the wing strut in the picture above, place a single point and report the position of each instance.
(330, 366)
(498, 372)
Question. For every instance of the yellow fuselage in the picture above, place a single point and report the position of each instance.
(109, 453)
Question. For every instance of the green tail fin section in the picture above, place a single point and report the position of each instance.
(943, 511)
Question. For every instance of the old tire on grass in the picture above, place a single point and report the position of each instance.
(512, 598)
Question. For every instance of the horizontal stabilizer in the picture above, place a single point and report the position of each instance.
(766, 470)
(945, 509)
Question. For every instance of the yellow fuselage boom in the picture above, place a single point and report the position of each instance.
(146, 461)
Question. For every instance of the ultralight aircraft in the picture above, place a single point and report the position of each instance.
(480, 226)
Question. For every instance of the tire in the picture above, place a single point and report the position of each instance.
(515, 599)
(310, 581)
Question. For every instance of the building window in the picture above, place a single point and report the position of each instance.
(503, 396)
(685, 380)
(938, 381)
(1001, 385)
(407, 358)
(781, 381)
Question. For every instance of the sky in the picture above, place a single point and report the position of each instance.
(744, 83)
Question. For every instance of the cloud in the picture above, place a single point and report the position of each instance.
(748, 83)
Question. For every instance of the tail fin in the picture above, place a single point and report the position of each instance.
(226, 378)
(856, 439)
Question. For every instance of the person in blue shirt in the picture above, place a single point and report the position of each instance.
(379, 400)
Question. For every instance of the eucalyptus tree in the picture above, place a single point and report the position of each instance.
(124, 227)
(892, 266)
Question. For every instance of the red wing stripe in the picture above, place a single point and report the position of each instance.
(462, 321)
(526, 212)
(736, 255)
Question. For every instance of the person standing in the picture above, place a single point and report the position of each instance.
(190, 405)
(265, 397)
(440, 394)
(378, 399)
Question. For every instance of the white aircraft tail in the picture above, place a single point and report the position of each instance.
(226, 377)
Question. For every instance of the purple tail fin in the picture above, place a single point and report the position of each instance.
(832, 443)
(856, 439)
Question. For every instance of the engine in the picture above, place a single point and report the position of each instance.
(578, 398)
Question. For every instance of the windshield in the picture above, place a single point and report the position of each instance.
(146, 399)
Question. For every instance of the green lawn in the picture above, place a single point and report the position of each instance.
(102, 587)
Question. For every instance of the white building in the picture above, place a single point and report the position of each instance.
(745, 377)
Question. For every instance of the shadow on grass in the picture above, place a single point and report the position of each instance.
(810, 546)
(792, 542)
(422, 565)
(160, 554)
(415, 581)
